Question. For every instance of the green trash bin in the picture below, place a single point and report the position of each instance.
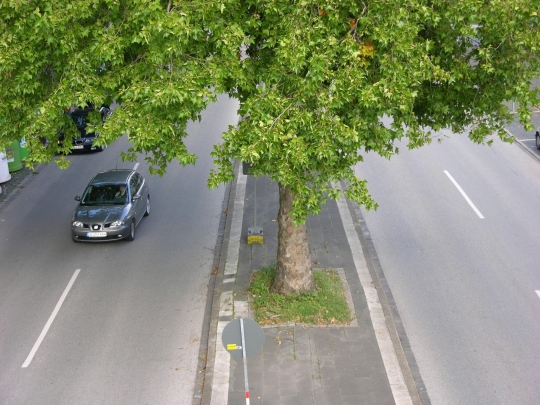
(23, 151)
(13, 153)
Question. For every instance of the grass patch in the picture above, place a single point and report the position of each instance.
(323, 306)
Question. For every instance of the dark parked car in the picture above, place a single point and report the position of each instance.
(110, 208)
(538, 138)
(86, 139)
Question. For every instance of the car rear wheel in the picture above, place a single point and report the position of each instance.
(537, 140)
(131, 235)
(147, 212)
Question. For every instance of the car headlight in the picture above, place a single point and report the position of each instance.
(117, 223)
(77, 224)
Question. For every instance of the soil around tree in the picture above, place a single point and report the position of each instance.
(324, 305)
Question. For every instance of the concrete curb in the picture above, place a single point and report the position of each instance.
(208, 337)
(206, 396)
(526, 148)
(389, 347)
(407, 361)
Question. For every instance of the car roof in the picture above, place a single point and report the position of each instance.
(112, 176)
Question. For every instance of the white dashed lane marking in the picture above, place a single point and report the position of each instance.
(50, 321)
(464, 195)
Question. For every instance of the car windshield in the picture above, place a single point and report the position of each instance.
(79, 117)
(105, 194)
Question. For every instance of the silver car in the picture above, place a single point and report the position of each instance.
(110, 208)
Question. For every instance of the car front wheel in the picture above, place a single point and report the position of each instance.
(131, 235)
(537, 140)
(147, 212)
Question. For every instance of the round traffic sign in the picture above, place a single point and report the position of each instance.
(253, 337)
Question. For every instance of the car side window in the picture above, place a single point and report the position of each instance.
(133, 186)
(139, 182)
(135, 183)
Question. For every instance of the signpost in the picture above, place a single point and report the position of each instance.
(243, 337)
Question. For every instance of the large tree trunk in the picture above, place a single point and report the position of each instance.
(293, 273)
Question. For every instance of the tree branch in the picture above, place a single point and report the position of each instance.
(355, 26)
(279, 116)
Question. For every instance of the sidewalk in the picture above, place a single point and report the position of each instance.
(366, 362)
(18, 181)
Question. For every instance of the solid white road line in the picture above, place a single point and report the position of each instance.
(50, 321)
(464, 195)
(538, 292)
(394, 373)
(135, 167)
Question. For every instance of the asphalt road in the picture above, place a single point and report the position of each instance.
(465, 286)
(129, 328)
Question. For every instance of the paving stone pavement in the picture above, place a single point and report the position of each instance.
(302, 364)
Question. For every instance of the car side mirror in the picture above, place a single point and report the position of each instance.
(136, 197)
(77, 198)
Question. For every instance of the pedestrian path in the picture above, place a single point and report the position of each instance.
(19, 179)
(303, 364)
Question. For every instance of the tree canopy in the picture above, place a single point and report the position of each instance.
(321, 76)
(315, 79)
(157, 59)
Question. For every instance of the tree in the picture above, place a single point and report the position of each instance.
(316, 83)
(321, 76)
(158, 59)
